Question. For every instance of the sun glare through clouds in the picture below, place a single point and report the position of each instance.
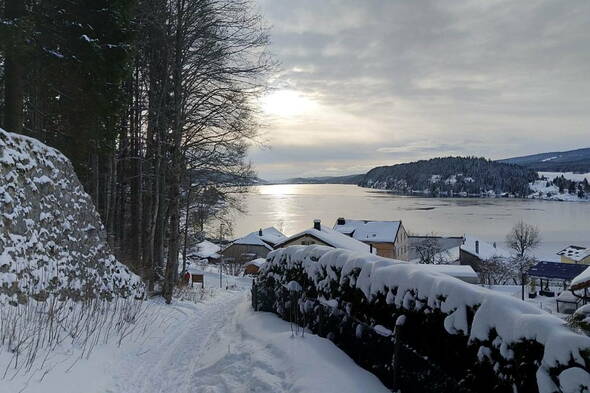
(287, 103)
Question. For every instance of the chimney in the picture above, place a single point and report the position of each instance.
(317, 224)
(341, 221)
(477, 246)
(260, 232)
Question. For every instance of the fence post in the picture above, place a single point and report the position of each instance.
(254, 296)
(397, 342)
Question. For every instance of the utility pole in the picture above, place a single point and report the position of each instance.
(221, 259)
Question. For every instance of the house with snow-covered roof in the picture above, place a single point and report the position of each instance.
(253, 267)
(389, 238)
(575, 254)
(325, 236)
(474, 251)
(254, 245)
(206, 250)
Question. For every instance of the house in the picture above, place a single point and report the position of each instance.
(253, 267)
(206, 250)
(474, 251)
(389, 238)
(437, 248)
(575, 254)
(325, 236)
(254, 245)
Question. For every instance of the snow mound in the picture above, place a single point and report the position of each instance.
(51, 238)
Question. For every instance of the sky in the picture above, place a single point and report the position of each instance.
(379, 82)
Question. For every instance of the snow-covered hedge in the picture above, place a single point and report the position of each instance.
(490, 341)
(51, 237)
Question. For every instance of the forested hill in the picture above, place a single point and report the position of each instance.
(558, 161)
(456, 175)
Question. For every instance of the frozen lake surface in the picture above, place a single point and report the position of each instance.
(292, 208)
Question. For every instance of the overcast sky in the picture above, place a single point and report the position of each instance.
(379, 82)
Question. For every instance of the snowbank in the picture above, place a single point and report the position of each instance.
(51, 237)
(501, 329)
(313, 363)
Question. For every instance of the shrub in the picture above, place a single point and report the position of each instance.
(479, 340)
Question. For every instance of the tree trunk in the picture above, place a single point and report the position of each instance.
(13, 74)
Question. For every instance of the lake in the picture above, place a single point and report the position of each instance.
(292, 208)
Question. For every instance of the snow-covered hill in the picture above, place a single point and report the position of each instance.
(51, 237)
(572, 160)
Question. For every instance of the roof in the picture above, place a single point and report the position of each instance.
(367, 230)
(562, 271)
(206, 249)
(575, 253)
(582, 280)
(486, 250)
(269, 238)
(256, 262)
(332, 238)
(448, 245)
(457, 271)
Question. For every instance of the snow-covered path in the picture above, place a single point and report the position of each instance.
(219, 345)
(169, 365)
(227, 348)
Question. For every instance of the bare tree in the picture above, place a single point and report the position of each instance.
(522, 239)
(430, 251)
(496, 271)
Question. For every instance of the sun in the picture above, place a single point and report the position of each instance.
(287, 103)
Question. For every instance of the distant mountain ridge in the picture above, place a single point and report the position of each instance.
(347, 179)
(559, 161)
(577, 161)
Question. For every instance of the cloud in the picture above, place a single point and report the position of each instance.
(394, 80)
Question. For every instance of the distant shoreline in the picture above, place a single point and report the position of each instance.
(419, 194)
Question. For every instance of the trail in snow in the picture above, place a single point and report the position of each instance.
(227, 348)
(169, 364)
(219, 345)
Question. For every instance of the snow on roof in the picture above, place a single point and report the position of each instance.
(206, 249)
(486, 250)
(367, 230)
(575, 253)
(582, 280)
(332, 238)
(270, 237)
(256, 262)
(457, 271)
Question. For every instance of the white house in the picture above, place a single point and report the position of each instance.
(389, 238)
(254, 245)
(326, 236)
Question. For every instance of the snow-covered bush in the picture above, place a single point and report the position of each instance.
(37, 334)
(51, 237)
(486, 341)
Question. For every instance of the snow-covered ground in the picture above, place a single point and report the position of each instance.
(214, 346)
(551, 192)
(567, 175)
(548, 304)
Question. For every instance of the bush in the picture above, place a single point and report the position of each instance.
(456, 336)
